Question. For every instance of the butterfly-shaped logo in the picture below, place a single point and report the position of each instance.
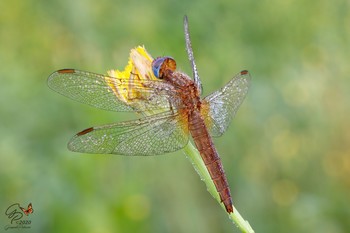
(29, 209)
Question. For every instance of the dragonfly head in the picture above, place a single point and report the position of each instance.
(161, 64)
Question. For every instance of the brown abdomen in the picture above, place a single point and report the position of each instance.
(210, 157)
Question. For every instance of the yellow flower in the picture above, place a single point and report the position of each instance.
(139, 68)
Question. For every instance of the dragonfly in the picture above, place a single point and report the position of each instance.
(171, 104)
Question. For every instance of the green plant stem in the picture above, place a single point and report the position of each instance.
(198, 164)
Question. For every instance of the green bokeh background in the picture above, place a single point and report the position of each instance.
(286, 154)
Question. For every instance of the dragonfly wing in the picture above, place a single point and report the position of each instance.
(111, 93)
(153, 135)
(221, 106)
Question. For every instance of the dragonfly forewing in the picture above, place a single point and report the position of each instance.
(113, 94)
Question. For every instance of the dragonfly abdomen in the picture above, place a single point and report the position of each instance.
(210, 157)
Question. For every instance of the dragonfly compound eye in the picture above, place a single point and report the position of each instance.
(161, 64)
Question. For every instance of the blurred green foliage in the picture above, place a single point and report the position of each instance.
(286, 154)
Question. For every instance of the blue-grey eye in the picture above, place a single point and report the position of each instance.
(160, 64)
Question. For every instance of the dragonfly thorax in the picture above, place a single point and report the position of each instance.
(164, 68)
(188, 93)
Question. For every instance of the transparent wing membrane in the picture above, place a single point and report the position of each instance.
(154, 135)
(189, 50)
(111, 93)
(221, 106)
